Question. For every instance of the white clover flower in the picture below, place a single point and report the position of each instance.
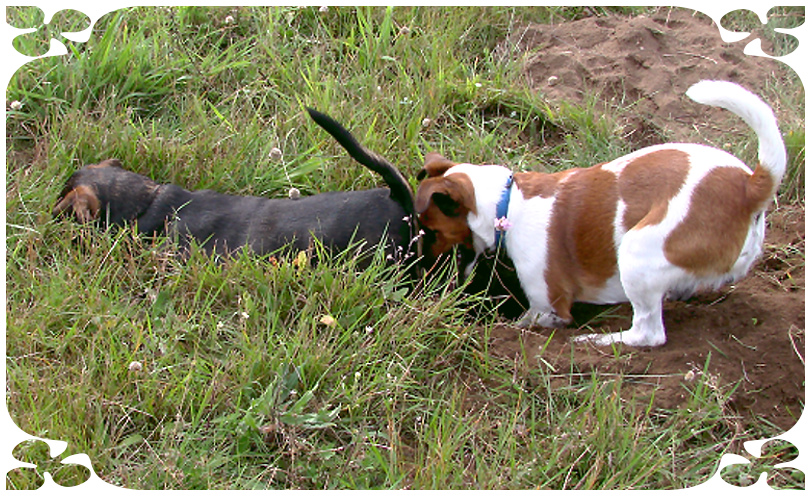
(323, 9)
(229, 19)
(275, 154)
(426, 122)
(16, 105)
(135, 366)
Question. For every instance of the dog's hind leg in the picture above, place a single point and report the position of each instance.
(648, 328)
(646, 277)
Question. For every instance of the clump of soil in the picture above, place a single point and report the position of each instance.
(752, 334)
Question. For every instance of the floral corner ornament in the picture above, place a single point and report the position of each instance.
(37, 41)
(773, 453)
(37, 453)
(783, 18)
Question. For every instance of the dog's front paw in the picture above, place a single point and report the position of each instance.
(541, 319)
(629, 337)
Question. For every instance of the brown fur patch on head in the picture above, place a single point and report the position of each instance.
(442, 205)
(710, 238)
(648, 183)
(83, 201)
(435, 165)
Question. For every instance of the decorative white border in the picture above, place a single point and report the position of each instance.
(13, 60)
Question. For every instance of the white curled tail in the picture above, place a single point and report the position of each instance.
(757, 114)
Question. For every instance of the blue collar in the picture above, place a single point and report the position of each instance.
(501, 210)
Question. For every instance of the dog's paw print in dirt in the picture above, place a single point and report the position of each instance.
(38, 453)
(785, 18)
(775, 452)
(38, 42)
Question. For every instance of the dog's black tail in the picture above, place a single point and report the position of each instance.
(400, 189)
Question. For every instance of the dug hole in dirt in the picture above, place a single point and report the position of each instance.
(750, 335)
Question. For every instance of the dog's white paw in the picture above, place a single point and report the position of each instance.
(540, 319)
(629, 337)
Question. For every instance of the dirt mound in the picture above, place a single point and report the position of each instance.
(647, 62)
(752, 334)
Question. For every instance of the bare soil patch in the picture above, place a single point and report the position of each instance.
(751, 335)
(645, 63)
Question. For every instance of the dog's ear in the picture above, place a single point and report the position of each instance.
(453, 195)
(435, 165)
(84, 202)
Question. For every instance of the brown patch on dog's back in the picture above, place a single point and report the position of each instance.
(582, 255)
(534, 184)
(648, 183)
(719, 211)
(759, 188)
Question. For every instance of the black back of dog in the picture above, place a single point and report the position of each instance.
(108, 194)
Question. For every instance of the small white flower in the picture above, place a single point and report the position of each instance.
(16, 105)
(135, 366)
(229, 19)
(293, 193)
(426, 122)
(478, 85)
(275, 154)
(323, 9)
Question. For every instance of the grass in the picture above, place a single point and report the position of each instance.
(266, 373)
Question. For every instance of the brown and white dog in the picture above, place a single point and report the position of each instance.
(664, 221)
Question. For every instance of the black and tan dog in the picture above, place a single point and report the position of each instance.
(112, 196)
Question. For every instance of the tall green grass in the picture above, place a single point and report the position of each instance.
(272, 373)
